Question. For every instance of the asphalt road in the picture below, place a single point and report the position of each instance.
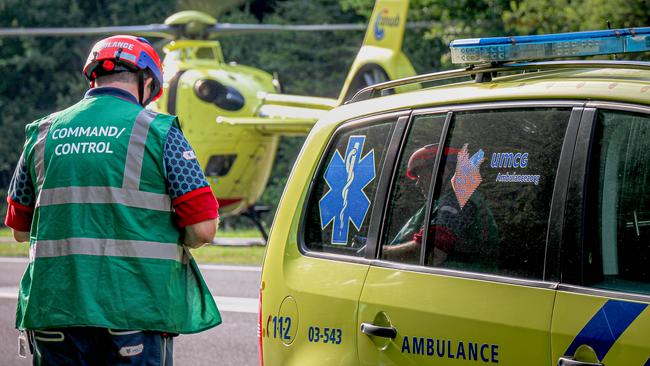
(234, 342)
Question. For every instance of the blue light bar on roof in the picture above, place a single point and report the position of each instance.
(560, 45)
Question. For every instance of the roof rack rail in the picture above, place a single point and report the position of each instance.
(485, 73)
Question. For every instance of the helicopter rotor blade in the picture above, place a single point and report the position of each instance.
(174, 31)
(234, 29)
(228, 28)
(151, 30)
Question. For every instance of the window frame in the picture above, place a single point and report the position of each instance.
(572, 245)
(373, 253)
(400, 119)
(556, 213)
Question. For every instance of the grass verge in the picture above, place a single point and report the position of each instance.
(8, 249)
(250, 255)
(241, 233)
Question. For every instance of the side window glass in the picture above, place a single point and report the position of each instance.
(408, 200)
(342, 197)
(617, 249)
(491, 207)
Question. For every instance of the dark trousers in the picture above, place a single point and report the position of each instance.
(89, 346)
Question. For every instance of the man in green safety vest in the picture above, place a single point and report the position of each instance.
(110, 196)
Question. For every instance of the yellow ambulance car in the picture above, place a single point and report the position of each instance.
(499, 215)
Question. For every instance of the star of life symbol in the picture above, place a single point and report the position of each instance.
(468, 176)
(346, 202)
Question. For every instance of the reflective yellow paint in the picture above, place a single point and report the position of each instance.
(508, 324)
(326, 294)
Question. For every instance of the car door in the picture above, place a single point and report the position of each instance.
(470, 287)
(601, 314)
(311, 286)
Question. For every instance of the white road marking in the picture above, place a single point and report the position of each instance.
(9, 292)
(224, 303)
(14, 260)
(224, 267)
(207, 267)
(237, 304)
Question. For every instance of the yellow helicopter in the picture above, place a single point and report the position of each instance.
(233, 115)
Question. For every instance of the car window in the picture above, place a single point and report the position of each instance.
(343, 193)
(617, 243)
(408, 199)
(490, 211)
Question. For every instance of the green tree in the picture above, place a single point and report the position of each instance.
(214, 8)
(534, 16)
(42, 75)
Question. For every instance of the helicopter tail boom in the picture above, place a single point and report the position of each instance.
(272, 126)
(298, 101)
(284, 114)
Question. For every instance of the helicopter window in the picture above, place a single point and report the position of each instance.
(342, 197)
(219, 165)
(204, 53)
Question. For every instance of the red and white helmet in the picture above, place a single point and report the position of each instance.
(124, 53)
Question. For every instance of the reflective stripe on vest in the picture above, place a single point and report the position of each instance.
(39, 151)
(106, 247)
(128, 195)
(135, 152)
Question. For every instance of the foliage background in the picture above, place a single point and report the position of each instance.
(41, 75)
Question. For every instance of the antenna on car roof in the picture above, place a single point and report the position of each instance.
(609, 27)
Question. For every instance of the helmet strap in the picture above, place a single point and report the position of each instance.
(140, 87)
(141, 76)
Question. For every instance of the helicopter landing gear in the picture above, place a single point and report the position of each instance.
(254, 213)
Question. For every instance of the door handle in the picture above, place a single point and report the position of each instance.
(377, 331)
(567, 361)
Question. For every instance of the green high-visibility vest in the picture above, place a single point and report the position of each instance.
(104, 250)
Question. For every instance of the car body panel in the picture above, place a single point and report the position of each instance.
(485, 322)
(617, 330)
